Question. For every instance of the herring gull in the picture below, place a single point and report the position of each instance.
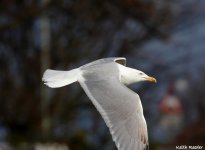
(104, 83)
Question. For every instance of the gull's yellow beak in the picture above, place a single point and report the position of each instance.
(151, 79)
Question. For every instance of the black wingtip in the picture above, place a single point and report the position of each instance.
(146, 147)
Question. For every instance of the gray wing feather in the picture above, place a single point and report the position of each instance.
(120, 60)
(122, 111)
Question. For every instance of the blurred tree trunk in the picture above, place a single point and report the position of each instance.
(45, 48)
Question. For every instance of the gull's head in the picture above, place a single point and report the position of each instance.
(141, 76)
(130, 76)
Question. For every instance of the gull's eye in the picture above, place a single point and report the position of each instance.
(141, 73)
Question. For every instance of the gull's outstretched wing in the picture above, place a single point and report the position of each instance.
(122, 111)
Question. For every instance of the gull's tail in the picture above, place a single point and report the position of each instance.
(55, 78)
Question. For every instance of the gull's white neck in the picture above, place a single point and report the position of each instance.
(128, 75)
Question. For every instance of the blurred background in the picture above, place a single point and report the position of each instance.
(165, 39)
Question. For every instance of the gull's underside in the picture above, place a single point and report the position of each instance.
(119, 106)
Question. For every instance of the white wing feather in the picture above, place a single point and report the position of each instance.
(122, 111)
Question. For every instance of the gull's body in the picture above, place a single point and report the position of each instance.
(103, 82)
